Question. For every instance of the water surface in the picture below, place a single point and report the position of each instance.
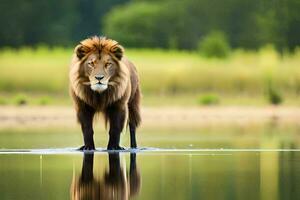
(235, 162)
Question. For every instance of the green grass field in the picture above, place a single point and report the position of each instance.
(167, 77)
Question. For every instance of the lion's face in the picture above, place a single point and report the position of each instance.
(99, 61)
(99, 69)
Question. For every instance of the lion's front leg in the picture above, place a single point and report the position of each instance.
(85, 117)
(116, 116)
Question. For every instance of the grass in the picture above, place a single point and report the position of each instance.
(209, 99)
(20, 99)
(43, 73)
(153, 100)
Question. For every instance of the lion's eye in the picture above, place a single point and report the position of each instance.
(107, 65)
(90, 63)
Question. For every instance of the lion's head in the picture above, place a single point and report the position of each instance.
(99, 61)
(98, 68)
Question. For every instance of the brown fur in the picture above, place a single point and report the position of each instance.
(121, 99)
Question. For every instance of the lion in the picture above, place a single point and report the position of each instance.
(103, 80)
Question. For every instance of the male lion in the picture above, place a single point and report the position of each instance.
(103, 80)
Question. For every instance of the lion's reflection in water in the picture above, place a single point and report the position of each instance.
(115, 184)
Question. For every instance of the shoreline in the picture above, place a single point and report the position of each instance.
(11, 116)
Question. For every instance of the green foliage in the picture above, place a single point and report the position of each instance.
(178, 24)
(45, 71)
(44, 100)
(27, 25)
(141, 27)
(20, 99)
(34, 70)
(55, 22)
(209, 99)
(273, 94)
(3, 101)
(150, 23)
(214, 44)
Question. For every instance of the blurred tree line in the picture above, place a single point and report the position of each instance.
(173, 24)
(51, 22)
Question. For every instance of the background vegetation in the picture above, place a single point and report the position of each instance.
(151, 23)
(197, 52)
(43, 72)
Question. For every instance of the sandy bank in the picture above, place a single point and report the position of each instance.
(152, 116)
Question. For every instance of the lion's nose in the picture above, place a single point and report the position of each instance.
(99, 77)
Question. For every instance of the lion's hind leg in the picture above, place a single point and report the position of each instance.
(134, 118)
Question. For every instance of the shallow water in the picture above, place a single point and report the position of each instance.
(233, 162)
(159, 175)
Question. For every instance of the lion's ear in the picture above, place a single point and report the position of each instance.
(118, 51)
(80, 51)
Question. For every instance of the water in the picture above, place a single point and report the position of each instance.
(188, 175)
(220, 162)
